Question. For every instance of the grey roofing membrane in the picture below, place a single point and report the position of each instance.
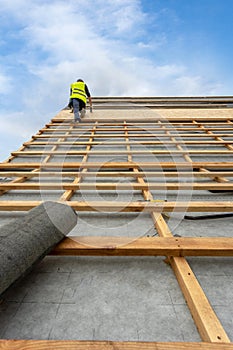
(116, 298)
(123, 298)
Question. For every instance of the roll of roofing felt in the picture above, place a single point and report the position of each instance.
(26, 240)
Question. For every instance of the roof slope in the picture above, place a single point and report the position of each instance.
(132, 170)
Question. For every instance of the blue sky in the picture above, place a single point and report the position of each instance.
(119, 47)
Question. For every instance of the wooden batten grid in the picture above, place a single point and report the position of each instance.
(176, 154)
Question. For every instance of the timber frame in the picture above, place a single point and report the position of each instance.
(173, 153)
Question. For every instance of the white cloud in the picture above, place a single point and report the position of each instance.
(122, 16)
(73, 38)
(195, 85)
(107, 43)
(15, 124)
(15, 129)
(5, 83)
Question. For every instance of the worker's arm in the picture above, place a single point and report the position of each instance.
(90, 102)
(89, 96)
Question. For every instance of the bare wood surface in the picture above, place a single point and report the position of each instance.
(207, 322)
(202, 173)
(225, 122)
(119, 165)
(133, 142)
(117, 186)
(84, 135)
(146, 246)
(137, 128)
(160, 136)
(132, 118)
(107, 345)
(112, 152)
(106, 206)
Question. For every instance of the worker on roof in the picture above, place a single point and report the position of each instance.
(78, 98)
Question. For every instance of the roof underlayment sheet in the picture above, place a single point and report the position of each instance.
(149, 263)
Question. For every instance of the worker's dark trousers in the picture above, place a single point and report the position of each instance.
(76, 110)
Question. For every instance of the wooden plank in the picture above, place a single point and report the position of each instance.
(161, 105)
(119, 152)
(200, 134)
(107, 206)
(118, 165)
(146, 246)
(111, 174)
(74, 186)
(143, 99)
(138, 125)
(137, 136)
(144, 128)
(107, 345)
(207, 322)
(128, 124)
(133, 143)
(223, 121)
(174, 118)
(141, 125)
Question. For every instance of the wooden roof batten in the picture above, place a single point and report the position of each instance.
(209, 123)
(164, 102)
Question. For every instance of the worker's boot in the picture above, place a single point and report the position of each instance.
(82, 113)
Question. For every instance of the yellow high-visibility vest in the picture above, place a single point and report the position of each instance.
(78, 91)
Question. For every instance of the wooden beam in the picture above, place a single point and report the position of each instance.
(138, 136)
(114, 126)
(146, 246)
(159, 136)
(142, 127)
(135, 124)
(119, 152)
(107, 345)
(207, 322)
(146, 174)
(116, 186)
(105, 206)
(120, 165)
(133, 142)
